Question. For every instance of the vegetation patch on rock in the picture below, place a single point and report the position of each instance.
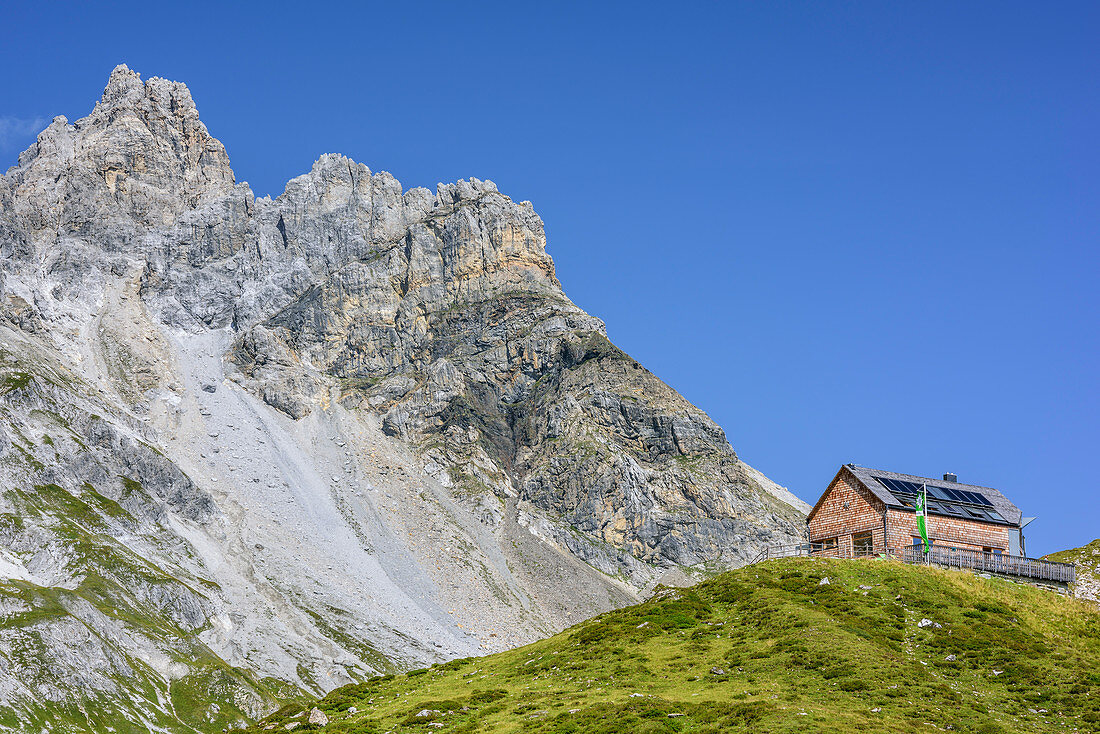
(1086, 561)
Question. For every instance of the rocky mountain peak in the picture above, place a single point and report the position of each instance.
(163, 106)
(122, 83)
(351, 429)
(143, 152)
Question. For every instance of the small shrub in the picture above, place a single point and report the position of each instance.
(488, 696)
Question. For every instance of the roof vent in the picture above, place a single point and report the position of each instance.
(949, 477)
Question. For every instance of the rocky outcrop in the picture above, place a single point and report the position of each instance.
(214, 339)
(1086, 561)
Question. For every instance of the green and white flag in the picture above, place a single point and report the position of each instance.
(922, 526)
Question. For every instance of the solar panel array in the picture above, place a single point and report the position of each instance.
(944, 500)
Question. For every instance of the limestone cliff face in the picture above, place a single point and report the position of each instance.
(217, 338)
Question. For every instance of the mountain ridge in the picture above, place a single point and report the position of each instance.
(362, 427)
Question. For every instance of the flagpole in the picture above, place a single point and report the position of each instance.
(922, 521)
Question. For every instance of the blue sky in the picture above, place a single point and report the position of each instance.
(858, 232)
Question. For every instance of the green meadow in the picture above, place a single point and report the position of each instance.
(880, 647)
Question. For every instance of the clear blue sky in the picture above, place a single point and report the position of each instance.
(859, 232)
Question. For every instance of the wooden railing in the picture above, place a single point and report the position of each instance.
(817, 550)
(1032, 568)
(770, 552)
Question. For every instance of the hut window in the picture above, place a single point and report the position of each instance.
(863, 544)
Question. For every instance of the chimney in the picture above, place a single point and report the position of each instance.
(949, 477)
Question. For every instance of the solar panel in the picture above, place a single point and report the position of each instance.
(943, 500)
(938, 493)
(978, 499)
(901, 486)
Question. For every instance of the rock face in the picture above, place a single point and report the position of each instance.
(1086, 561)
(250, 446)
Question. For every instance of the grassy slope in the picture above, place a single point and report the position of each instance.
(769, 649)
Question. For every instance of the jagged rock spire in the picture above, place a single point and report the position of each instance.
(123, 81)
(143, 147)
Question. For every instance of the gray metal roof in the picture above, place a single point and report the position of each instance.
(1002, 504)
